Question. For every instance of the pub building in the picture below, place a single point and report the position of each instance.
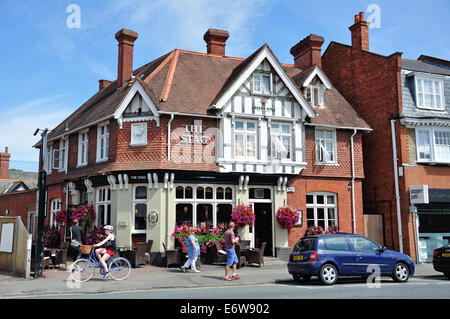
(184, 138)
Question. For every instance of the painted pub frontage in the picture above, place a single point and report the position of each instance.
(186, 137)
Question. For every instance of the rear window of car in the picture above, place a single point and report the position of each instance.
(336, 243)
(305, 244)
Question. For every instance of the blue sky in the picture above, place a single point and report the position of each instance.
(49, 69)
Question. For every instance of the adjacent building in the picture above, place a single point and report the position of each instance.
(189, 135)
(407, 155)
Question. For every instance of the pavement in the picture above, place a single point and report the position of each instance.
(56, 282)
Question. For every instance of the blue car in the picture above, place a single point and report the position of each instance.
(332, 255)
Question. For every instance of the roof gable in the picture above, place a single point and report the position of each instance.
(247, 68)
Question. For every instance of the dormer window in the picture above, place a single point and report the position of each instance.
(262, 83)
(314, 94)
(429, 94)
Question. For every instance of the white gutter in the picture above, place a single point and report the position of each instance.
(190, 114)
(340, 127)
(397, 192)
(353, 181)
(168, 135)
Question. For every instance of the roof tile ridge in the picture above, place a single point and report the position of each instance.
(169, 77)
(162, 65)
(211, 55)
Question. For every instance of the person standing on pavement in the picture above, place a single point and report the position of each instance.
(76, 239)
(232, 260)
(193, 250)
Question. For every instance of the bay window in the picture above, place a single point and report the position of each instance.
(245, 139)
(433, 144)
(429, 93)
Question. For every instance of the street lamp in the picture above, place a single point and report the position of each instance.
(42, 183)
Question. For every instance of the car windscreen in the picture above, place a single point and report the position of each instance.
(305, 244)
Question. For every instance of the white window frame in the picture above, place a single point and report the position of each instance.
(63, 154)
(320, 160)
(274, 152)
(313, 92)
(194, 201)
(260, 76)
(49, 159)
(134, 128)
(136, 202)
(438, 102)
(103, 198)
(102, 137)
(325, 206)
(245, 133)
(83, 145)
(55, 206)
(434, 148)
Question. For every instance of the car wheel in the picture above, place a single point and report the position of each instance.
(447, 274)
(300, 278)
(401, 272)
(328, 274)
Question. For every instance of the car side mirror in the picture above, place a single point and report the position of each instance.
(383, 249)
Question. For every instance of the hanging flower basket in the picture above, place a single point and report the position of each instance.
(85, 215)
(287, 217)
(95, 235)
(243, 215)
(60, 217)
(319, 230)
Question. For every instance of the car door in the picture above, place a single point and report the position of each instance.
(337, 248)
(369, 256)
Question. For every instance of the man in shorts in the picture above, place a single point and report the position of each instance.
(232, 260)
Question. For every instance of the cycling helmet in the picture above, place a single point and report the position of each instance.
(108, 227)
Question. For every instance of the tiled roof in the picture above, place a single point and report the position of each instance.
(189, 82)
(419, 66)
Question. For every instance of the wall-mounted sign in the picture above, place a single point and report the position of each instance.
(439, 195)
(194, 134)
(291, 189)
(300, 217)
(418, 194)
(153, 217)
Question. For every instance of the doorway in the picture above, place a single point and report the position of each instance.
(263, 226)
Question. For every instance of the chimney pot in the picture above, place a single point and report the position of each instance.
(360, 33)
(215, 41)
(126, 40)
(103, 83)
(308, 51)
(4, 164)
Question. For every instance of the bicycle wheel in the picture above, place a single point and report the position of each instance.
(120, 268)
(81, 270)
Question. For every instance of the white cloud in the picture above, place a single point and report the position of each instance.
(20, 122)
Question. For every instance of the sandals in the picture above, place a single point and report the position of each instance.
(236, 277)
(228, 278)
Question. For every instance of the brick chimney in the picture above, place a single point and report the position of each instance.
(126, 40)
(103, 83)
(215, 41)
(4, 164)
(308, 51)
(360, 33)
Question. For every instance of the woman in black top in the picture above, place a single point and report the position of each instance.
(103, 254)
(76, 236)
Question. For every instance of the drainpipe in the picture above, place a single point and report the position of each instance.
(353, 181)
(172, 115)
(397, 192)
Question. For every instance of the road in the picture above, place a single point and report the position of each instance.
(415, 288)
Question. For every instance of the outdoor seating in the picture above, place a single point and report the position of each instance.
(147, 252)
(61, 254)
(256, 255)
(136, 256)
(172, 256)
(241, 257)
(245, 246)
(220, 258)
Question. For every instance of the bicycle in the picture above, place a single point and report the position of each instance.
(83, 269)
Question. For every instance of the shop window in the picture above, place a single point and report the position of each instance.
(188, 193)
(220, 193)
(200, 193)
(209, 193)
(179, 192)
(204, 214)
(223, 213)
(140, 209)
(321, 209)
(228, 193)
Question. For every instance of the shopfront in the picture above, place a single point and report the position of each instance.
(432, 220)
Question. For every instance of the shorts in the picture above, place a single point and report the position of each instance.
(110, 252)
(231, 257)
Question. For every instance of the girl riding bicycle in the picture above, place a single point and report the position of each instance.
(103, 254)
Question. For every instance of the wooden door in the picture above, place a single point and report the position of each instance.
(373, 228)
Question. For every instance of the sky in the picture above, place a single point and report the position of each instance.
(54, 52)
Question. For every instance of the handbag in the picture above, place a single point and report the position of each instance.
(73, 242)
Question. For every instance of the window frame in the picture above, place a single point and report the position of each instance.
(54, 210)
(105, 138)
(333, 139)
(105, 202)
(310, 95)
(137, 201)
(261, 75)
(325, 206)
(421, 79)
(432, 144)
(83, 161)
(281, 135)
(63, 154)
(133, 142)
(245, 133)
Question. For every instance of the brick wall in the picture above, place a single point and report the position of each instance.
(18, 204)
